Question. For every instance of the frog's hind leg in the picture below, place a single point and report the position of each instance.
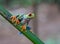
(17, 21)
(13, 18)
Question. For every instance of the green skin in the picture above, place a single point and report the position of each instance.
(25, 19)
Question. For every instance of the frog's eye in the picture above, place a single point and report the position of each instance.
(30, 14)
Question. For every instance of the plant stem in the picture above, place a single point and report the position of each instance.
(4, 13)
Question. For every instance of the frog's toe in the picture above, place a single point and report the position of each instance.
(23, 28)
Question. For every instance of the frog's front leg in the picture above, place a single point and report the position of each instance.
(23, 28)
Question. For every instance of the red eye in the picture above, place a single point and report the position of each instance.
(30, 14)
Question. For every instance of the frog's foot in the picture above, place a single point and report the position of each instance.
(13, 18)
(17, 21)
(23, 28)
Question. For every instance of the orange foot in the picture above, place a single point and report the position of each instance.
(23, 28)
(13, 19)
(17, 21)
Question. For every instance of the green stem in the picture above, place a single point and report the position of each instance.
(4, 13)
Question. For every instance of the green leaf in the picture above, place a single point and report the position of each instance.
(4, 13)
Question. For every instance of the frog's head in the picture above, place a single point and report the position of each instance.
(31, 15)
